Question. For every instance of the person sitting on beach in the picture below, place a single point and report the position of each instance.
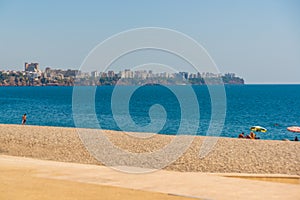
(241, 135)
(24, 119)
(296, 139)
(252, 135)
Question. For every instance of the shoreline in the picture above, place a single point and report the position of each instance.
(204, 136)
(229, 155)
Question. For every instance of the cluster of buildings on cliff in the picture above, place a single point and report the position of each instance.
(33, 76)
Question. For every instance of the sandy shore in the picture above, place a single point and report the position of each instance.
(228, 155)
(28, 178)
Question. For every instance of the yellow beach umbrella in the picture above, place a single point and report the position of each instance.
(258, 129)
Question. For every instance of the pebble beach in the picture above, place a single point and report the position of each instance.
(229, 155)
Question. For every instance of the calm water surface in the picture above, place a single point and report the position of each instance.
(274, 107)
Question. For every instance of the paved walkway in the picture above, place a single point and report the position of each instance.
(189, 184)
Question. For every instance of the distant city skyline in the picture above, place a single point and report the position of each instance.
(34, 67)
(257, 40)
(32, 75)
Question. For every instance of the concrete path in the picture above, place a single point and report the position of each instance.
(188, 184)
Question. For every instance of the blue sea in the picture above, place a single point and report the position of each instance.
(274, 107)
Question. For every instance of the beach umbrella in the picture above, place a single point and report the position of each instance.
(258, 129)
(294, 129)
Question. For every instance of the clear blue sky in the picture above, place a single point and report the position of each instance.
(257, 39)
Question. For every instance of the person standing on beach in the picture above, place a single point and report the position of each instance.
(24, 119)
